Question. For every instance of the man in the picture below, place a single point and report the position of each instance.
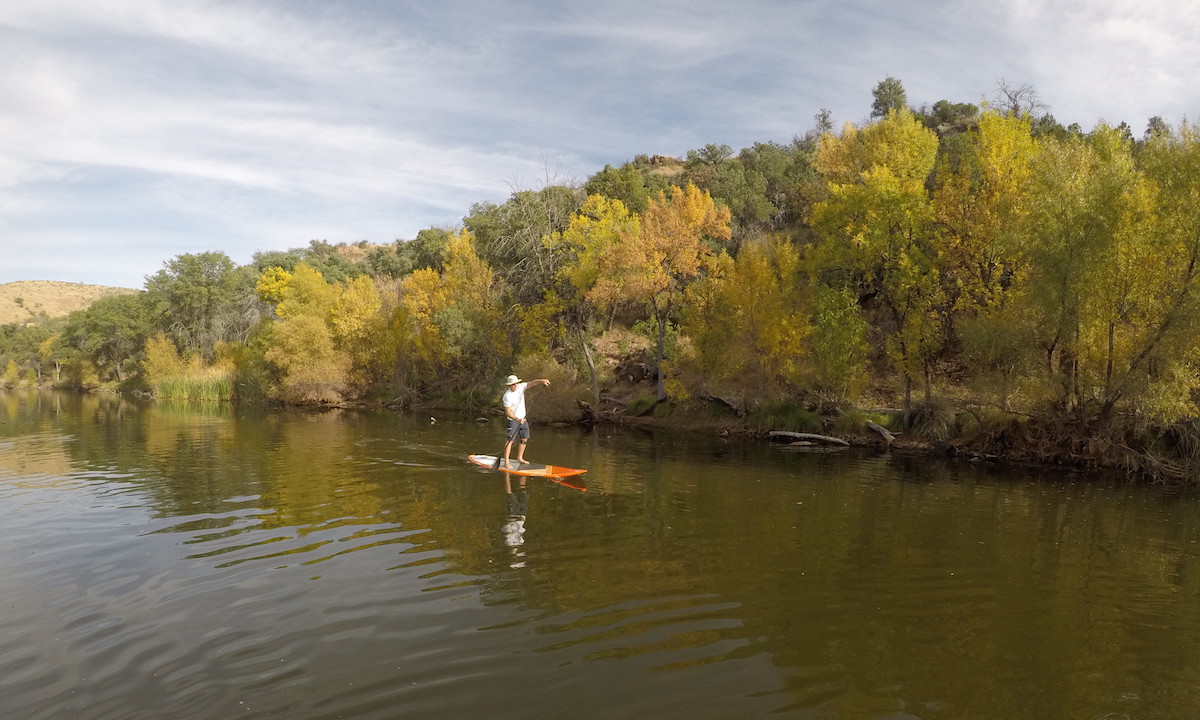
(514, 410)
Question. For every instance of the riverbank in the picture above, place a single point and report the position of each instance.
(944, 431)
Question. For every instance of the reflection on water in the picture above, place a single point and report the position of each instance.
(205, 561)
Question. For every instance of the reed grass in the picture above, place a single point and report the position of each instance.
(210, 383)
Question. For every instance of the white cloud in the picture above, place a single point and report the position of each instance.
(166, 126)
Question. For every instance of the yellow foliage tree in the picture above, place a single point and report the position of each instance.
(452, 320)
(766, 342)
(652, 262)
(360, 329)
(271, 283)
(876, 228)
(599, 226)
(162, 360)
(313, 368)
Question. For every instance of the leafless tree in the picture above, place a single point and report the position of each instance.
(1018, 100)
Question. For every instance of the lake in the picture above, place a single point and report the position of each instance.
(169, 560)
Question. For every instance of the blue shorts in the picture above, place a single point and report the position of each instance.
(517, 428)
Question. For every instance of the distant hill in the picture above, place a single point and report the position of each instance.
(23, 301)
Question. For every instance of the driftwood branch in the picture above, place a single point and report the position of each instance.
(808, 436)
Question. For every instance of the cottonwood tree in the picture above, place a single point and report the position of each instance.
(877, 235)
(766, 342)
(451, 322)
(653, 262)
(598, 228)
(312, 367)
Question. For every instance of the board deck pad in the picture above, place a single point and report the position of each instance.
(525, 468)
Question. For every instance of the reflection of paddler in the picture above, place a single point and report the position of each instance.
(518, 507)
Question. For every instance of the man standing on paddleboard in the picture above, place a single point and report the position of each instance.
(514, 410)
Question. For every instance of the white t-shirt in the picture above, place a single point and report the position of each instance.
(515, 398)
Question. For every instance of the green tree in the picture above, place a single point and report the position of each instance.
(428, 249)
(193, 300)
(838, 344)
(741, 188)
(626, 183)
(889, 97)
(112, 332)
(508, 237)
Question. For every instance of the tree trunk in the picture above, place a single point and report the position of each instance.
(662, 344)
(1108, 366)
(928, 385)
(591, 363)
(907, 401)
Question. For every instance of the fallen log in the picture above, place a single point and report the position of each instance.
(887, 435)
(737, 409)
(808, 436)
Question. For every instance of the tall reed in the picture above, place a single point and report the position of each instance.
(210, 383)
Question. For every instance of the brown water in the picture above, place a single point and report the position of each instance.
(176, 561)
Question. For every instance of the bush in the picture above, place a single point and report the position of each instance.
(788, 416)
(936, 420)
(855, 420)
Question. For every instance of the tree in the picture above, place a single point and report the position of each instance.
(389, 261)
(1151, 330)
(1156, 127)
(600, 225)
(193, 300)
(838, 343)
(876, 228)
(889, 97)
(1018, 100)
(452, 321)
(301, 346)
(654, 266)
(428, 249)
(979, 201)
(743, 189)
(1114, 274)
(626, 183)
(359, 329)
(112, 331)
(508, 237)
(765, 342)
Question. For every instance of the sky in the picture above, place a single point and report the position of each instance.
(134, 131)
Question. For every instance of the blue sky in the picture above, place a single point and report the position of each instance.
(132, 131)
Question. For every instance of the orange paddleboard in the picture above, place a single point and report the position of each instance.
(525, 468)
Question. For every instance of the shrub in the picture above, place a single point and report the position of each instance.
(785, 415)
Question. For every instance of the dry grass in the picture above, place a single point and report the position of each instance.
(24, 300)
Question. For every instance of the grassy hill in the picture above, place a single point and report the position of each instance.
(25, 300)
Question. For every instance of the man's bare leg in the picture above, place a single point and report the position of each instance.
(507, 452)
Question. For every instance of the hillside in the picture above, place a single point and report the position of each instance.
(24, 300)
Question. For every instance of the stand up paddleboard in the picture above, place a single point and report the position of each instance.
(525, 468)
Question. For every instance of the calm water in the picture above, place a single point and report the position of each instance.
(176, 561)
